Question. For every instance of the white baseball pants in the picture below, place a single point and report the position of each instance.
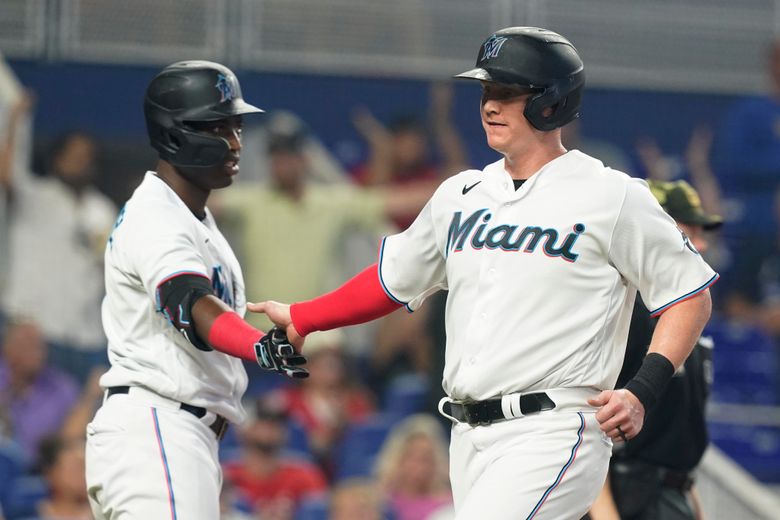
(549, 465)
(149, 459)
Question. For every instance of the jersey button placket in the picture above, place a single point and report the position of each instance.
(471, 360)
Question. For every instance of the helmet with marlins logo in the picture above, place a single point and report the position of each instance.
(538, 59)
(188, 92)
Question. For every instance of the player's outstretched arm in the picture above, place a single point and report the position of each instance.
(279, 313)
(19, 109)
(229, 333)
(187, 300)
(359, 300)
(623, 411)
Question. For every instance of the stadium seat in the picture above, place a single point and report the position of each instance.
(756, 448)
(406, 395)
(297, 439)
(11, 466)
(745, 365)
(359, 446)
(312, 509)
(317, 509)
(262, 382)
(25, 495)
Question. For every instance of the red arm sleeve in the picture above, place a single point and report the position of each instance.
(235, 337)
(359, 300)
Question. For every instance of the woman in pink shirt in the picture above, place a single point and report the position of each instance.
(412, 468)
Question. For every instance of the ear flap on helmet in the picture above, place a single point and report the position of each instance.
(196, 150)
(192, 91)
(565, 108)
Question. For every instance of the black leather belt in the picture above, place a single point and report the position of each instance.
(219, 426)
(632, 472)
(489, 411)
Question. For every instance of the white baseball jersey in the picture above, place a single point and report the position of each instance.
(155, 237)
(541, 280)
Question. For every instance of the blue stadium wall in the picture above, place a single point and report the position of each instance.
(106, 100)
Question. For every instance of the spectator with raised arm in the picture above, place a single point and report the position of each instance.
(63, 214)
(9, 161)
(401, 155)
(310, 220)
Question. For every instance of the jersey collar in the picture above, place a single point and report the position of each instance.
(501, 178)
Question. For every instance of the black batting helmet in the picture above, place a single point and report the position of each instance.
(538, 59)
(186, 92)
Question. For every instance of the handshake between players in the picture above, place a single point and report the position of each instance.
(275, 352)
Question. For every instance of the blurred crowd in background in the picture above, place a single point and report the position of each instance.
(360, 438)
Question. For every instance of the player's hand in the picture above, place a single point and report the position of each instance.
(275, 352)
(621, 415)
(279, 313)
(22, 106)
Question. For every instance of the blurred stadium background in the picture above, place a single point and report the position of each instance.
(657, 71)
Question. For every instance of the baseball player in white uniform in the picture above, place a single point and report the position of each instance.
(542, 253)
(172, 313)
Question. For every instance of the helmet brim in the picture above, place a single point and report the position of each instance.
(496, 76)
(476, 73)
(237, 107)
(240, 107)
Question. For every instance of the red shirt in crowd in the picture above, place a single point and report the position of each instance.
(294, 480)
(356, 406)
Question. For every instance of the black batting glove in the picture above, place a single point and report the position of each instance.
(275, 352)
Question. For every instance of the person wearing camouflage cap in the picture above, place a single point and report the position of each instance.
(651, 476)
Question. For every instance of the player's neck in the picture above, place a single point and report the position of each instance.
(522, 164)
(193, 196)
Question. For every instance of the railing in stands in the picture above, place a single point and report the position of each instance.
(728, 492)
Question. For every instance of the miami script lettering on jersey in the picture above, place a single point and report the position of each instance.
(220, 285)
(477, 231)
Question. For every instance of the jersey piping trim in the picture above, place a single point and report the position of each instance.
(684, 297)
(382, 282)
(564, 469)
(182, 273)
(170, 277)
(166, 469)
